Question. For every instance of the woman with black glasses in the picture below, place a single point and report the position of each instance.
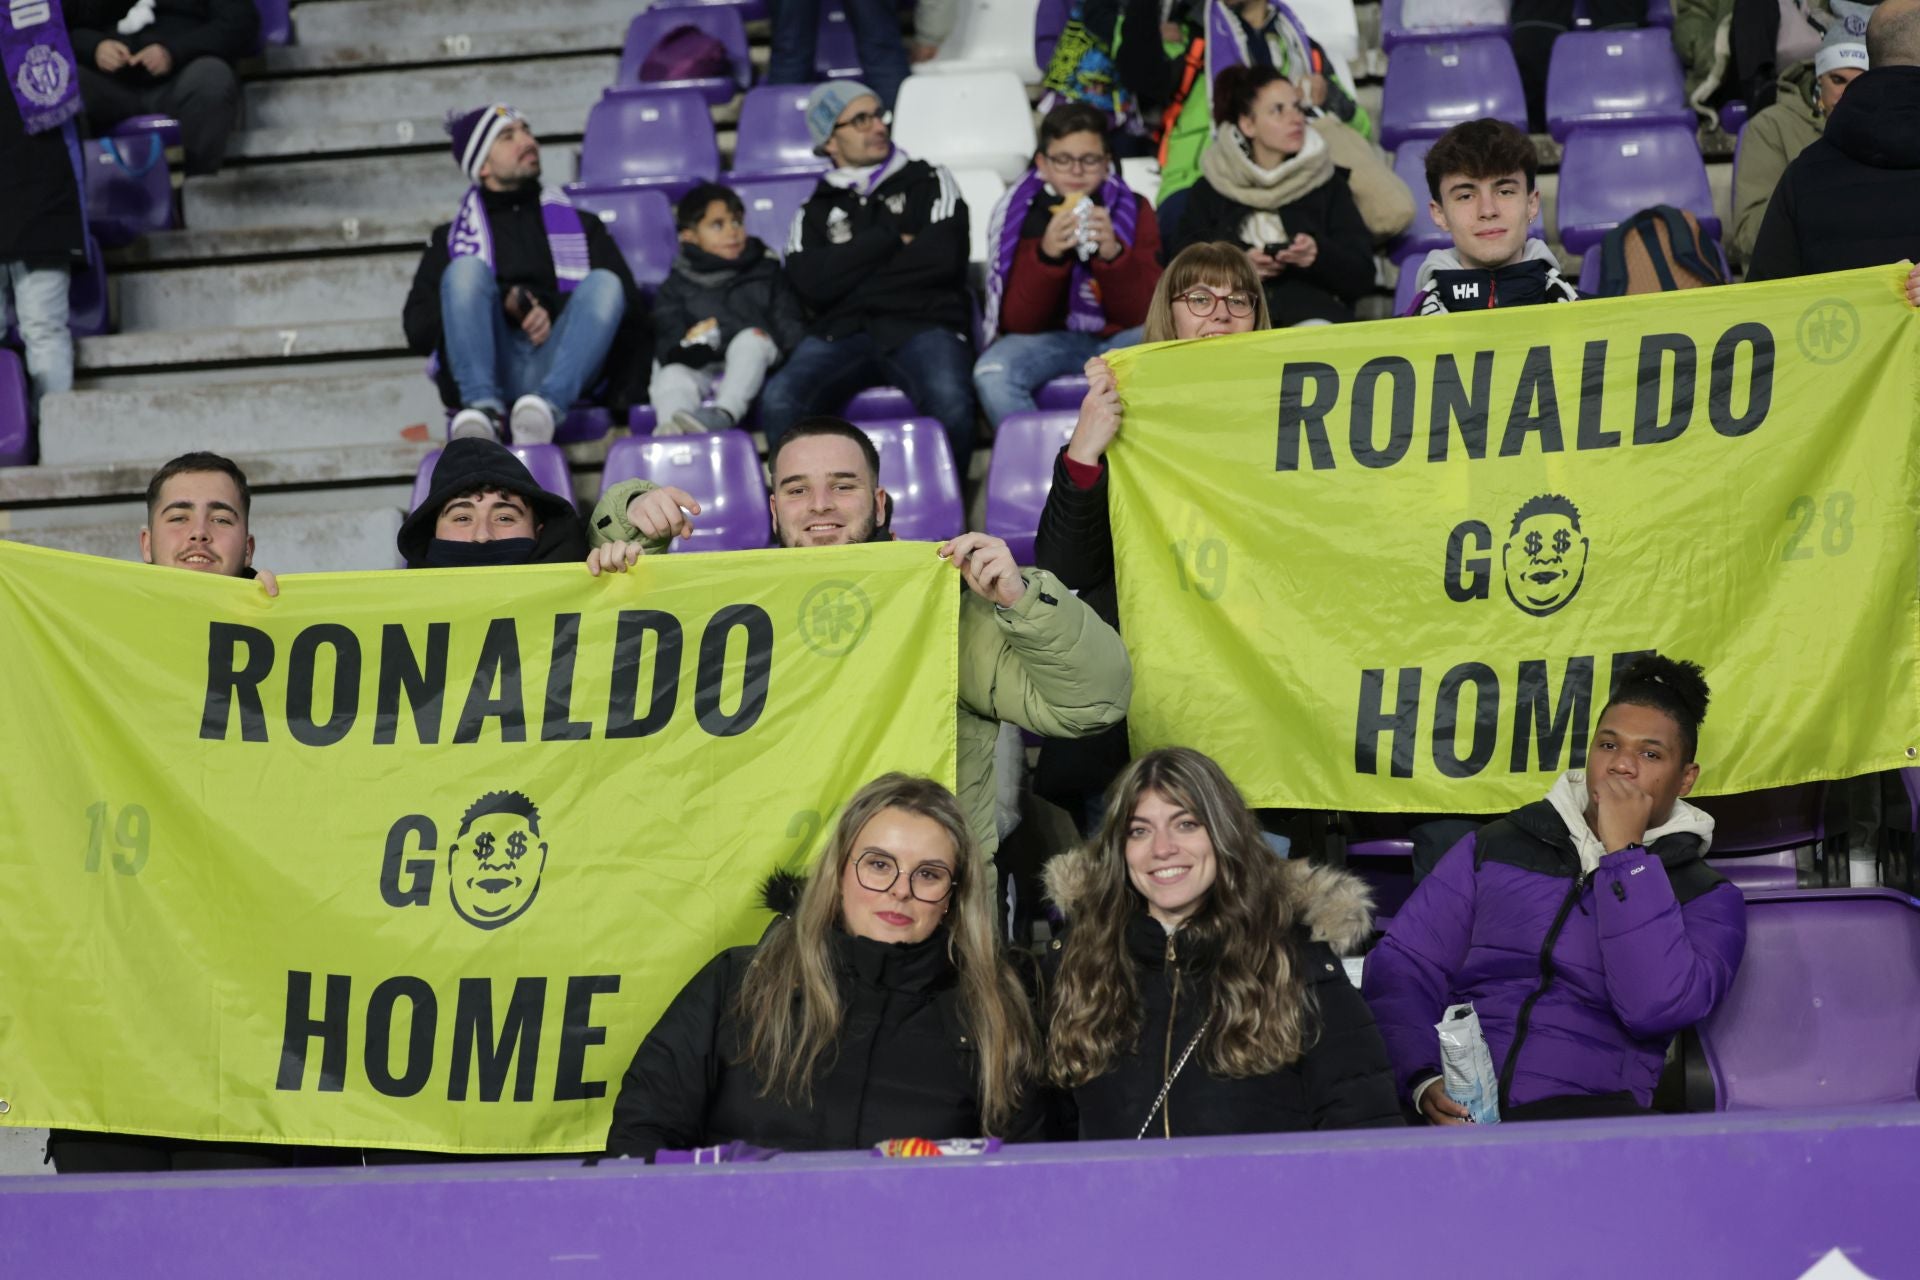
(878, 1006)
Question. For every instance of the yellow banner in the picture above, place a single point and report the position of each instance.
(414, 859)
(1393, 566)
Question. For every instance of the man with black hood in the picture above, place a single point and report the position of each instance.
(485, 509)
(1850, 199)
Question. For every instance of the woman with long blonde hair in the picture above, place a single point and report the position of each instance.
(1198, 990)
(878, 1006)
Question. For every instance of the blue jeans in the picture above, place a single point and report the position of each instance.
(876, 38)
(494, 363)
(933, 367)
(1018, 364)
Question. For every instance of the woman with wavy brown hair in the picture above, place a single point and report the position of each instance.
(1198, 990)
(878, 1006)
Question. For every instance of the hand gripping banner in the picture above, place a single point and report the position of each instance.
(413, 860)
(1394, 566)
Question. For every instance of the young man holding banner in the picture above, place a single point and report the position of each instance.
(1031, 653)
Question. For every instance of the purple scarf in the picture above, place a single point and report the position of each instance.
(1084, 312)
(39, 64)
(472, 235)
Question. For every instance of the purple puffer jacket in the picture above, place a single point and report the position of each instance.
(1592, 977)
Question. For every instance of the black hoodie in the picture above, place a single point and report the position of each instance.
(1850, 199)
(747, 292)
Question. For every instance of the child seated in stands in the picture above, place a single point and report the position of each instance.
(1480, 176)
(722, 319)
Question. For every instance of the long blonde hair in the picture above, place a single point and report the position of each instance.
(1222, 265)
(1244, 928)
(790, 999)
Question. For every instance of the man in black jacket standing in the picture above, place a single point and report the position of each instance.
(165, 57)
(1850, 199)
(521, 295)
(879, 253)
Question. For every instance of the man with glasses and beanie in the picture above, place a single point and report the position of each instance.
(879, 255)
(1075, 258)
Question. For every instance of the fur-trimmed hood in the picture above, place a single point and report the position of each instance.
(1336, 906)
(780, 892)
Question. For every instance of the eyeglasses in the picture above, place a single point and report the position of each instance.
(864, 119)
(1076, 164)
(1201, 303)
(930, 881)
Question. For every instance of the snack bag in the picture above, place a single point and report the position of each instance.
(1466, 1066)
(943, 1147)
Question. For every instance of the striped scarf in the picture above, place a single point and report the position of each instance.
(472, 235)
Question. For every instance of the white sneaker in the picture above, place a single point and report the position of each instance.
(471, 421)
(531, 421)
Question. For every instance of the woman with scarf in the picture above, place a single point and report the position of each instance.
(1270, 185)
(1075, 258)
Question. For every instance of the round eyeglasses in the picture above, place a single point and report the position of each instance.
(1201, 303)
(929, 882)
(864, 119)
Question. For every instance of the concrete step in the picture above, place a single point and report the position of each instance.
(387, 97)
(283, 294)
(145, 419)
(326, 192)
(348, 236)
(351, 22)
(558, 123)
(377, 49)
(257, 344)
(24, 488)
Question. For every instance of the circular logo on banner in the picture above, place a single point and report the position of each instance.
(1828, 331)
(1545, 556)
(43, 76)
(834, 618)
(495, 862)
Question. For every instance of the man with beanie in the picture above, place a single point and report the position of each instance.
(879, 254)
(521, 295)
(1849, 199)
(485, 510)
(1807, 95)
(165, 57)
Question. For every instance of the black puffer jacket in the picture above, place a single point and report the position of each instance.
(1342, 270)
(1849, 199)
(905, 1066)
(1342, 1081)
(748, 292)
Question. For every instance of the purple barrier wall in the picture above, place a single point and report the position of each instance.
(1752, 1194)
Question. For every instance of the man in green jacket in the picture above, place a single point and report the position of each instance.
(1031, 654)
(1808, 94)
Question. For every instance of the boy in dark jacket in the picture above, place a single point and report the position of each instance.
(725, 309)
(165, 57)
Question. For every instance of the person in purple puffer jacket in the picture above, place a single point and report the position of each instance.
(1586, 928)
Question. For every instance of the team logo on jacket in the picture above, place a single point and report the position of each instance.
(1545, 556)
(495, 860)
(43, 76)
(896, 203)
(839, 227)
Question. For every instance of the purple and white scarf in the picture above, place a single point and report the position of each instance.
(472, 235)
(39, 63)
(1084, 312)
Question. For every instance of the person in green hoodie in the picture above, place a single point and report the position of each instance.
(1808, 93)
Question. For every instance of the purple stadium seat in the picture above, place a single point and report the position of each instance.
(134, 126)
(640, 220)
(276, 24)
(722, 471)
(1062, 393)
(545, 461)
(1434, 85)
(642, 419)
(1612, 78)
(583, 422)
(877, 404)
(649, 138)
(771, 204)
(1020, 475)
(1394, 31)
(750, 10)
(1403, 291)
(16, 436)
(1756, 832)
(917, 471)
(129, 188)
(1610, 174)
(1825, 1010)
(834, 54)
(1049, 20)
(1410, 164)
(722, 22)
(1387, 867)
(772, 138)
(1733, 118)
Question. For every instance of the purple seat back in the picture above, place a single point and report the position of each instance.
(640, 220)
(1733, 118)
(1614, 77)
(1020, 475)
(1607, 175)
(772, 138)
(771, 204)
(877, 404)
(1049, 20)
(721, 471)
(1434, 85)
(276, 23)
(129, 188)
(1420, 239)
(16, 433)
(649, 137)
(917, 471)
(1387, 867)
(834, 54)
(1064, 392)
(1404, 290)
(1590, 271)
(583, 422)
(1761, 870)
(545, 461)
(1395, 32)
(750, 10)
(1825, 1010)
(721, 22)
(1767, 821)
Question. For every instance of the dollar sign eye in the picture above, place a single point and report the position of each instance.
(1562, 541)
(483, 846)
(517, 845)
(1533, 544)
